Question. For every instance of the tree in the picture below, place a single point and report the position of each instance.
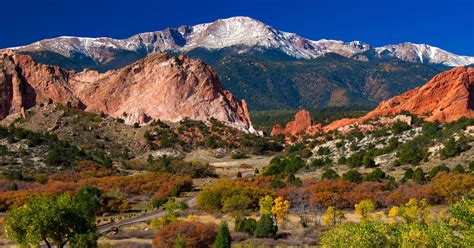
(459, 169)
(223, 239)
(375, 176)
(364, 207)
(329, 174)
(266, 227)
(435, 170)
(246, 225)
(280, 209)
(368, 161)
(52, 220)
(364, 234)
(454, 147)
(236, 204)
(331, 216)
(414, 210)
(418, 175)
(353, 176)
(266, 204)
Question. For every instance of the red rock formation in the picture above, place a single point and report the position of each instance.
(156, 87)
(23, 82)
(447, 97)
(303, 120)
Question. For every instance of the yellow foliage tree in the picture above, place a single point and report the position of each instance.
(415, 210)
(280, 209)
(364, 207)
(331, 216)
(266, 204)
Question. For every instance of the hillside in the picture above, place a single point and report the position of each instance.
(328, 81)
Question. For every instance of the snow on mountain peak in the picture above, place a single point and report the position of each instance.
(243, 32)
(424, 53)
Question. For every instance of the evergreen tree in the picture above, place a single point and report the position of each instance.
(223, 239)
(266, 227)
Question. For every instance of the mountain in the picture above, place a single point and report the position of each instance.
(269, 80)
(422, 53)
(243, 32)
(446, 97)
(156, 87)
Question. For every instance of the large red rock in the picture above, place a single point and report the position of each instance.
(302, 121)
(157, 87)
(446, 97)
(23, 82)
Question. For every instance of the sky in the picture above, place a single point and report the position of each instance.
(448, 24)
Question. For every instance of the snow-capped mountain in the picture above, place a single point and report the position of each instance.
(423, 53)
(242, 32)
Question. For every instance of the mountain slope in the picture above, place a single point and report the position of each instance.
(244, 32)
(328, 81)
(446, 97)
(157, 87)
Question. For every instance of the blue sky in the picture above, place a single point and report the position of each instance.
(448, 24)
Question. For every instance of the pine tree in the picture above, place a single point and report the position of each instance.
(223, 239)
(266, 227)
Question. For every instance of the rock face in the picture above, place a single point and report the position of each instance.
(302, 122)
(447, 97)
(23, 82)
(156, 87)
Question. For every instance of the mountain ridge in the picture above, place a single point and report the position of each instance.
(235, 31)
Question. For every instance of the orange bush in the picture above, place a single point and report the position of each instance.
(405, 192)
(148, 184)
(196, 234)
(449, 187)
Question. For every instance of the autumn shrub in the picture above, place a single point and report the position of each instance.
(154, 185)
(365, 234)
(407, 191)
(228, 193)
(449, 187)
(194, 233)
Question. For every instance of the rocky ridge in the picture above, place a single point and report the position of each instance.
(446, 97)
(157, 87)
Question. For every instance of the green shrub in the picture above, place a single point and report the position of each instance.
(454, 147)
(239, 155)
(329, 174)
(419, 175)
(375, 176)
(459, 169)
(285, 165)
(353, 176)
(245, 225)
(223, 239)
(435, 170)
(356, 159)
(266, 227)
(324, 151)
(399, 127)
